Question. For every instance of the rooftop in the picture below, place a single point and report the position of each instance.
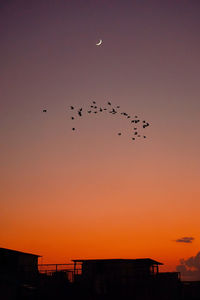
(10, 251)
(148, 261)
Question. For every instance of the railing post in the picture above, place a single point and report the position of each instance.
(74, 270)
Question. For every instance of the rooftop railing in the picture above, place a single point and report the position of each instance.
(50, 269)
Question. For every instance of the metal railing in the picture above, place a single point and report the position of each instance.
(50, 269)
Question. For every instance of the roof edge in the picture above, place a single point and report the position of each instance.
(118, 259)
(19, 252)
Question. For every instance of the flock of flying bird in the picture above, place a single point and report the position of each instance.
(94, 109)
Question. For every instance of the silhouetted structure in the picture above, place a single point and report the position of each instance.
(20, 278)
(93, 279)
(18, 270)
(190, 290)
(125, 279)
(16, 263)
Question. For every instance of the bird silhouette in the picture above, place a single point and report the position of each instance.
(145, 125)
(44, 110)
(114, 110)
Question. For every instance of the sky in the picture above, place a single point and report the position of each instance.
(90, 193)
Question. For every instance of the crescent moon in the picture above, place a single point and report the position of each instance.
(99, 43)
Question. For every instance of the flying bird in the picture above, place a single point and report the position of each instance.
(44, 110)
(95, 109)
(113, 111)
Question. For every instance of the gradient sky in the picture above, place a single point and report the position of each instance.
(93, 194)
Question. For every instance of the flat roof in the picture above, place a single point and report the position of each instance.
(120, 260)
(10, 251)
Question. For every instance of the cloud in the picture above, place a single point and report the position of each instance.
(190, 268)
(185, 239)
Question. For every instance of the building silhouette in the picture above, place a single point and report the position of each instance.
(22, 278)
(18, 271)
(125, 279)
